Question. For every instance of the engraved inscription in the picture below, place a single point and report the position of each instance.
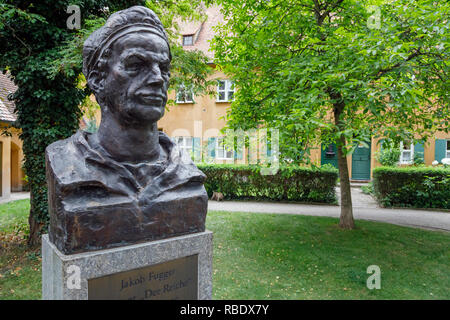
(172, 280)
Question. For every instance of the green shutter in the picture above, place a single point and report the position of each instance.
(212, 147)
(238, 153)
(440, 149)
(196, 150)
(238, 149)
(419, 151)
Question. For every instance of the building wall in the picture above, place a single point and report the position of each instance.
(12, 174)
(205, 118)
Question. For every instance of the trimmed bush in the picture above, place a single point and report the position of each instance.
(389, 156)
(418, 187)
(291, 183)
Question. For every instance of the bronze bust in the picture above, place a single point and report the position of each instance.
(128, 182)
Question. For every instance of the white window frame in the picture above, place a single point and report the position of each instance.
(220, 146)
(186, 36)
(447, 148)
(411, 157)
(228, 88)
(183, 143)
(181, 90)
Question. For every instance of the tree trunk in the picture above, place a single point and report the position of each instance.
(34, 239)
(346, 220)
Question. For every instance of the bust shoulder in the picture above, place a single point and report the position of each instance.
(65, 160)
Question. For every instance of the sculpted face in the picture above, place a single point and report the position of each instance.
(137, 80)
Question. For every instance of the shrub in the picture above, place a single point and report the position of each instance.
(367, 189)
(291, 183)
(418, 158)
(419, 187)
(389, 156)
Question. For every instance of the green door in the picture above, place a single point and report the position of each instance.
(361, 163)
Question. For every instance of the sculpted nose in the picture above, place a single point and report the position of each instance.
(155, 77)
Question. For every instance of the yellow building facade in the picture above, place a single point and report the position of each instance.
(12, 177)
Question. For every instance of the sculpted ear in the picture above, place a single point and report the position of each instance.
(95, 81)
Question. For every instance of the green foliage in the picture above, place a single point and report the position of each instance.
(46, 102)
(321, 73)
(418, 158)
(187, 67)
(291, 183)
(368, 189)
(389, 155)
(297, 63)
(44, 59)
(420, 187)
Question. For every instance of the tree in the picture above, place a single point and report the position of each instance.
(43, 57)
(337, 71)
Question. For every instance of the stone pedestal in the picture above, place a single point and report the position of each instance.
(173, 268)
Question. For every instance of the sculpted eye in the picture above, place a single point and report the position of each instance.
(133, 64)
(164, 67)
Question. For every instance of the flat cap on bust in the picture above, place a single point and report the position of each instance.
(134, 19)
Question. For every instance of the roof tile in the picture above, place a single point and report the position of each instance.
(7, 107)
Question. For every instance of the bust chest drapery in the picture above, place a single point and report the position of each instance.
(96, 202)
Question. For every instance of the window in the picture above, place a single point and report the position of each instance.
(225, 90)
(184, 143)
(188, 40)
(223, 152)
(447, 153)
(330, 153)
(184, 95)
(406, 152)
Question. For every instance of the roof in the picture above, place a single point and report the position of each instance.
(202, 31)
(7, 107)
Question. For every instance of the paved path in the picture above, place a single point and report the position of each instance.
(364, 208)
(15, 196)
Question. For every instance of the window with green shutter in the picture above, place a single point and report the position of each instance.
(440, 151)
(329, 155)
(196, 149)
(419, 151)
(212, 148)
(406, 152)
(447, 151)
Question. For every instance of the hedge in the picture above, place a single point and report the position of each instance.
(418, 187)
(291, 183)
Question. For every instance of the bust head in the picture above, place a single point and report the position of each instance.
(126, 63)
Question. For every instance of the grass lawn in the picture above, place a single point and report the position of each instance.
(268, 256)
(20, 267)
